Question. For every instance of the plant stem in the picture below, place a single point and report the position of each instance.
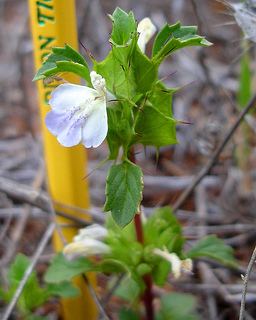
(148, 297)
(148, 294)
(138, 228)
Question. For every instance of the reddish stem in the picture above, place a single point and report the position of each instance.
(138, 227)
(148, 295)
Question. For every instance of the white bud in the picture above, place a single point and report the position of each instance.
(146, 30)
(178, 265)
(95, 231)
(187, 265)
(86, 248)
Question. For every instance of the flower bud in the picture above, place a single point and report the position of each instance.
(146, 31)
(86, 248)
(187, 265)
(178, 265)
(95, 231)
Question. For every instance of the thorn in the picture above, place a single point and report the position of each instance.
(114, 100)
(101, 164)
(88, 52)
(184, 122)
(169, 75)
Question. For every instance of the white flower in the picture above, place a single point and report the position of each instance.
(79, 113)
(86, 248)
(95, 231)
(146, 31)
(178, 265)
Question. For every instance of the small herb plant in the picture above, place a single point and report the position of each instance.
(126, 103)
(33, 295)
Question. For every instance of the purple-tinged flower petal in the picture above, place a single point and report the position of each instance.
(56, 122)
(66, 126)
(95, 128)
(70, 136)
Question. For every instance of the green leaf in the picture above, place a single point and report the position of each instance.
(64, 60)
(49, 64)
(160, 272)
(120, 129)
(124, 25)
(177, 306)
(69, 53)
(123, 192)
(113, 266)
(126, 314)
(32, 295)
(127, 233)
(214, 248)
(127, 70)
(63, 289)
(67, 66)
(145, 71)
(118, 81)
(169, 31)
(115, 68)
(245, 81)
(155, 124)
(174, 37)
(114, 143)
(17, 269)
(153, 128)
(63, 270)
(128, 290)
(123, 260)
(162, 229)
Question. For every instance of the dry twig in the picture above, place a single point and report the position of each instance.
(96, 299)
(246, 280)
(22, 222)
(205, 170)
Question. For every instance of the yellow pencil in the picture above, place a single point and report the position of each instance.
(53, 23)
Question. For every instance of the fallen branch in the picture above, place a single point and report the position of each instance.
(40, 199)
(22, 192)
